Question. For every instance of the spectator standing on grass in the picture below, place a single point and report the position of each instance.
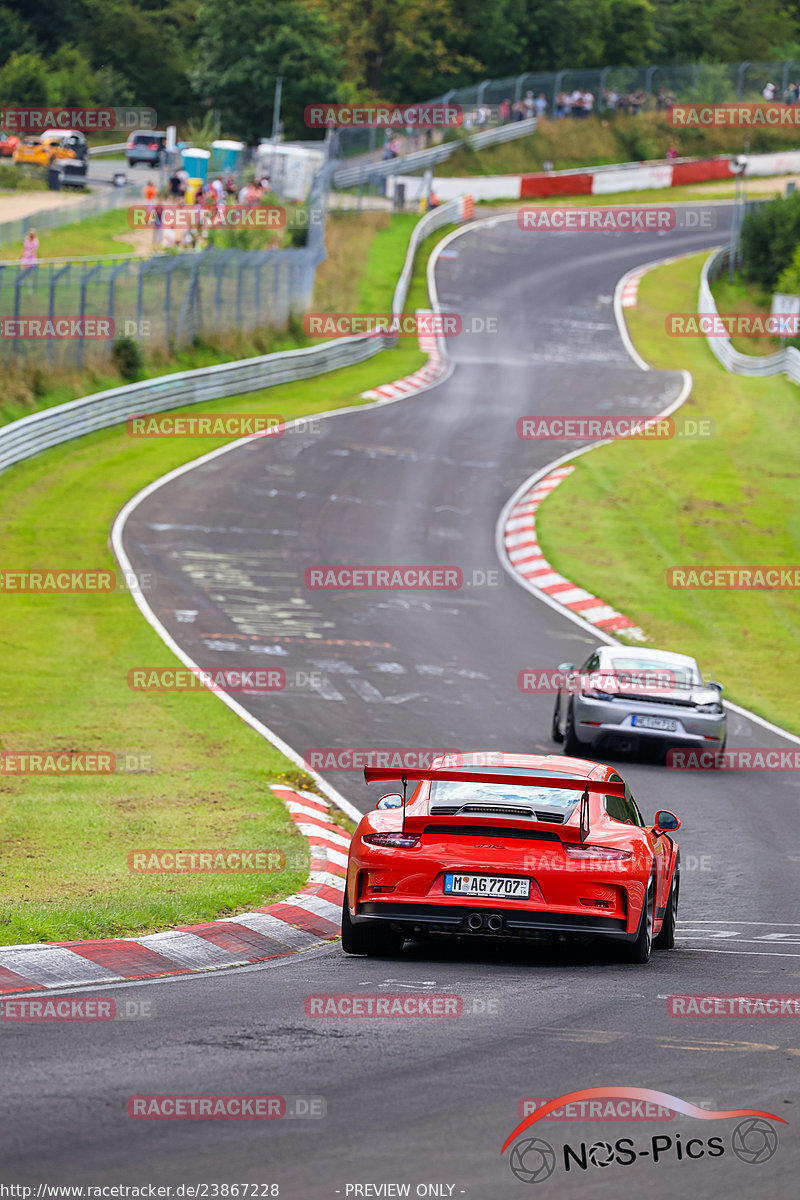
(636, 100)
(671, 154)
(611, 99)
(158, 223)
(30, 249)
(504, 109)
(244, 192)
(174, 185)
(517, 110)
(769, 92)
(541, 105)
(588, 103)
(529, 105)
(149, 192)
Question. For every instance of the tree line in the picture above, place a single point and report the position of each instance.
(186, 58)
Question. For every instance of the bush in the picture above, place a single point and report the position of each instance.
(770, 237)
(127, 357)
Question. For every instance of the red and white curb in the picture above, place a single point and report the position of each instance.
(309, 918)
(630, 287)
(528, 560)
(435, 369)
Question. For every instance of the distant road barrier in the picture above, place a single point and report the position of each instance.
(783, 362)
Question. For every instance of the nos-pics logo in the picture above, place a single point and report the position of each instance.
(533, 1160)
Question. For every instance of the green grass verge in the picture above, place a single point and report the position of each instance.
(631, 510)
(100, 234)
(63, 857)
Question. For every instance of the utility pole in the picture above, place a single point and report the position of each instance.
(276, 108)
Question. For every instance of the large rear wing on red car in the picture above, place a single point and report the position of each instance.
(454, 775)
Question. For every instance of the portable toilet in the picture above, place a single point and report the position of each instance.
(226, 156)
(195, 162)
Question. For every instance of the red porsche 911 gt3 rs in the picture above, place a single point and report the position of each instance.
(530, 845)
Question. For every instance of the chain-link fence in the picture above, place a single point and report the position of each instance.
(66, 214)
(614, 89)
(66, 313)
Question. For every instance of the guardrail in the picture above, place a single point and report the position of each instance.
(31, 435)
(99, 151)
(783, 362)
(421, 159)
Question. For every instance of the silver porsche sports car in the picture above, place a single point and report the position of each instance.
(624, 697)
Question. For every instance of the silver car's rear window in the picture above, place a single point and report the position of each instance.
(677, 674)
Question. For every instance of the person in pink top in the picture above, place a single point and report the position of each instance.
(30, 249)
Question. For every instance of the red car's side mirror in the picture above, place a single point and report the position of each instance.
(666, 821)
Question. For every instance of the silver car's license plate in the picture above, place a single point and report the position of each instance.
(503, 886)
(656, 723)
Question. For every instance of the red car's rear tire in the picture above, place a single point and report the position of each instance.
(666, 938)
(375, 940)
(639, 950)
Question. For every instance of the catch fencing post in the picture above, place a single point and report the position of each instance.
(22, 275)
(87, 275)
(556, 87)
(51, 307)
(115, 271)
(739, 79)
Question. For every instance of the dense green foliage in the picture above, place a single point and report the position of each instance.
(185, 58)
(770, 237)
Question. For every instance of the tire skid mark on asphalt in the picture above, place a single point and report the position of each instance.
(303, 921)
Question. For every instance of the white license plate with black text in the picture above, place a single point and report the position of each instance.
(506, 887)
(656, 723)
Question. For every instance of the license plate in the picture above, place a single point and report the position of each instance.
(503, 886)
(656, 723)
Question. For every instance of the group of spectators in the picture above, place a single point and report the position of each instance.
(579, 103)
(791, 94)
(214, 196)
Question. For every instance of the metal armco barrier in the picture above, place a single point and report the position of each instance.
(31, 435)
(783, 362)
(418, 160)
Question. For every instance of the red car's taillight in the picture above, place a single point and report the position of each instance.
(599, 853)
(401, 841)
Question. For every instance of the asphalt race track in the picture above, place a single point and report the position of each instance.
(431, 1101)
